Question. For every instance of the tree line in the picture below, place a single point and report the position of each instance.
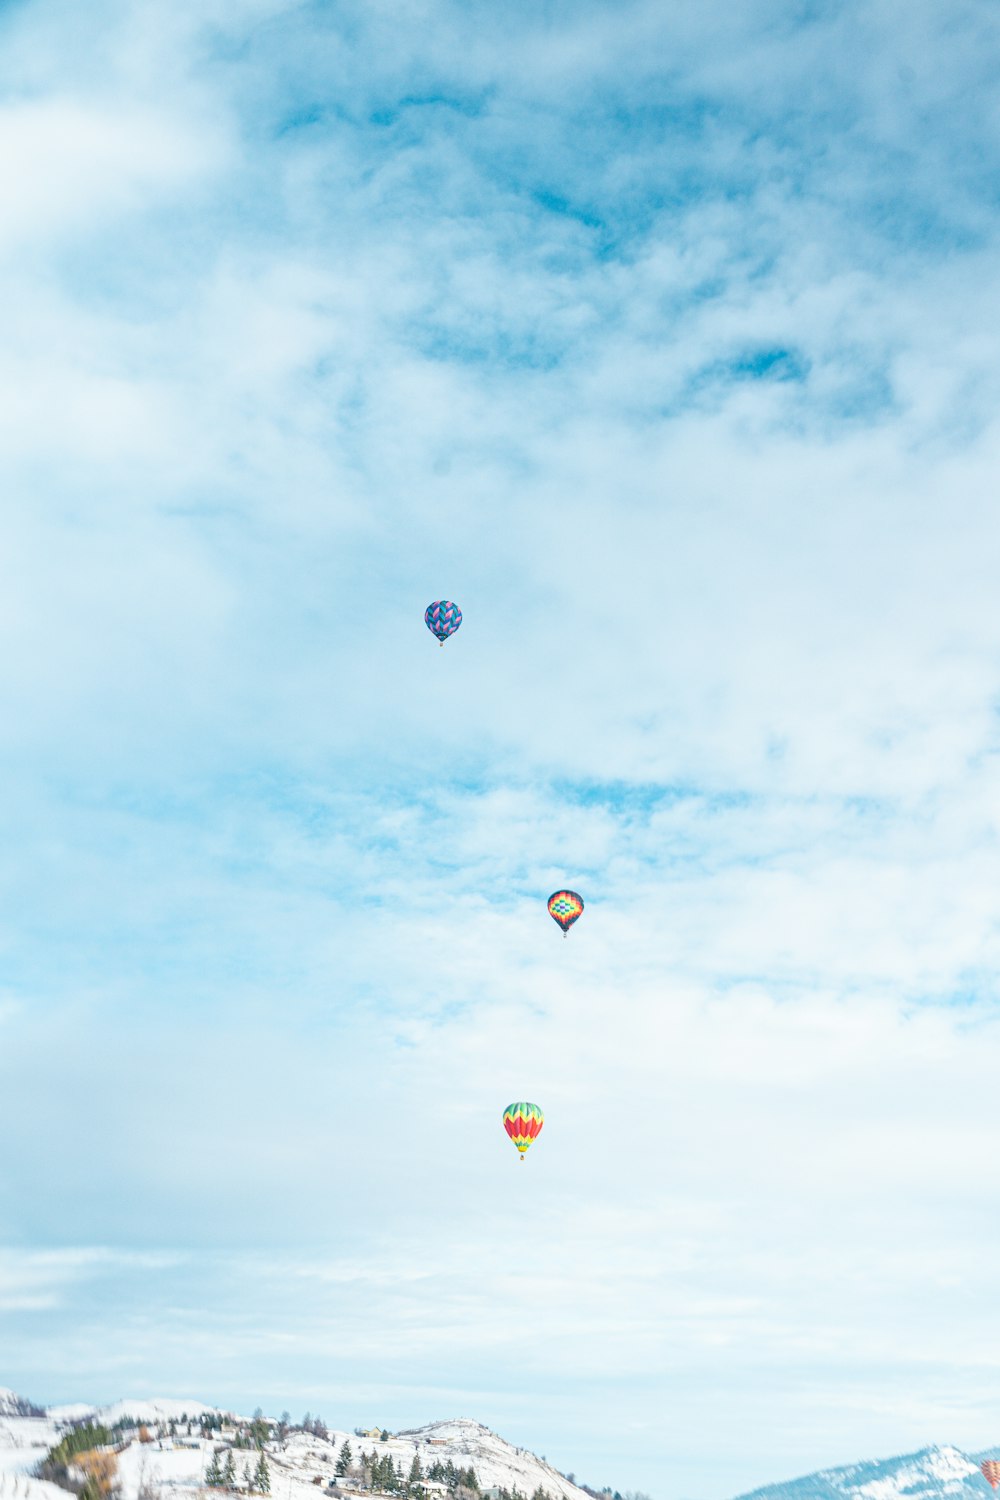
(223, 1476)
(86, 1450)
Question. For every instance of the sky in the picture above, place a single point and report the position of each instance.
(665, 339)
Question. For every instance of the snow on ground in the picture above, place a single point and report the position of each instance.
(305, 1458)
(11, 1404)
(176, 1472)
(166, 1468)
(295, 1467)
(940, 1473)
(22, 1487)
(23, 1441)
(496, 1462)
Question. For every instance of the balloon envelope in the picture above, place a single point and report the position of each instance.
(442, 618)
(522, 1123)
(991, 1471)
(564, 908)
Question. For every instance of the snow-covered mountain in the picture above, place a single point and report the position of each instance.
(179, 1465)
(13, 1405)
(24, 1439)
(15, 1486)
(464, 1443)
(160, 1410)
(303, 1466)
(927, 1475)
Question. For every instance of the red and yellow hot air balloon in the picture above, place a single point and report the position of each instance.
(523, 1122)
(564, 908)
(991, 1471)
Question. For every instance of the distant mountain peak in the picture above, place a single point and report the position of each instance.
(929, 1474)
(13, 1405)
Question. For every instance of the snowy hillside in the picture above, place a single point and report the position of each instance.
(147, 1411)
(21, 1487)
(173, 1462)
(926, 1475)
(13, 1405)
(176, 1462)
(24, 1439)
(464, 1443)
(470, 1445)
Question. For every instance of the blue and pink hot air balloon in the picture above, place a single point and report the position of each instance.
(442, 619)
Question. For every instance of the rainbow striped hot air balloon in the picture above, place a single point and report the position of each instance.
(522, 1123)
(564, 908)
(442, 619)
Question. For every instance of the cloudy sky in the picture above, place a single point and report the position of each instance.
(664, 338)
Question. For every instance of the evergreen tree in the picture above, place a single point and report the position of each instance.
(80, 1440)
(416, 1472)
(246, 1476)
(262, 1476)
(384, 1436)
(345, 1460)
(213, 1474)
(229, 1471)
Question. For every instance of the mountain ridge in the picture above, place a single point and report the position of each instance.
(929, 1473)
(178, 1461)
(304, 1459)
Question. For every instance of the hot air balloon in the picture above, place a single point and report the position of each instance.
(564, 908)
(522, 1123)
(991, 1471)
(442, 619)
